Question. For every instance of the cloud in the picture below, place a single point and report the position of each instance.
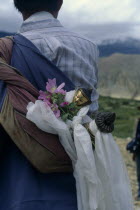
(98, 32)
(10, 19)
(99, 19)
(99, 11)
(108, 19)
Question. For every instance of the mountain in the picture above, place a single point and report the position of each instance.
(109, 47)
(119, 76)
(3, 34)
(127, 46)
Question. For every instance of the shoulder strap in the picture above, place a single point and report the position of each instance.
(34, 66)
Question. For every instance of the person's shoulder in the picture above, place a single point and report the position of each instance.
(81, 37)
(85, 42)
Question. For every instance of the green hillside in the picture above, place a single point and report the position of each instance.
(119, 76)
(126, 111)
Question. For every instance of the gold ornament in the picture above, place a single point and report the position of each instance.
(80, 98)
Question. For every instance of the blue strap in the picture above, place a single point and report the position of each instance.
(35, 66)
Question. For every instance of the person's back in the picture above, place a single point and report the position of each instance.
(76, 57)
(137, 156)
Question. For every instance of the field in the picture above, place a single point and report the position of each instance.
(126, 112)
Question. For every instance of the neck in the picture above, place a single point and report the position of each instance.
(27, 15)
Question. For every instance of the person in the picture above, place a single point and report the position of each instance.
(75, 55)
(23, 187)
(137, 158)
(134, 148)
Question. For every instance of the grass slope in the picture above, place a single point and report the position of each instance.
(126, 111)
(119, 76)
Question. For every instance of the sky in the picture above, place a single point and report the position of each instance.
(98, 19)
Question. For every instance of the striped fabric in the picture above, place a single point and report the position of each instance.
(75, 55)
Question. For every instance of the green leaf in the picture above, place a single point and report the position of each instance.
(65, 117)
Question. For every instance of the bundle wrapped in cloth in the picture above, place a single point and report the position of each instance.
(43, 150)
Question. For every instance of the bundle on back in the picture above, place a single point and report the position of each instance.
(43, 150)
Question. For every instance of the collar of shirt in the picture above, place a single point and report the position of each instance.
(39, 20)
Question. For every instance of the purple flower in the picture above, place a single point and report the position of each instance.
(53, 96)
(48, 103)
(52, 88)
(60, 90)
(42, 95)
(51, 85)
(45, 97)
(65, 103)
(55, 110)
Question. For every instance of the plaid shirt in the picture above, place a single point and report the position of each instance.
(73, 54)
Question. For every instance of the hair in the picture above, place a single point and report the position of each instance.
(36, 5)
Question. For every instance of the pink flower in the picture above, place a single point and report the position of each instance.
(53, 95)
(60, 90)
(51, 85)
(64, 104)
(52, 88)
(44, 96)
(55, 110)
(47, 102)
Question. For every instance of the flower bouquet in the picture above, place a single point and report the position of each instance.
(55, 98)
